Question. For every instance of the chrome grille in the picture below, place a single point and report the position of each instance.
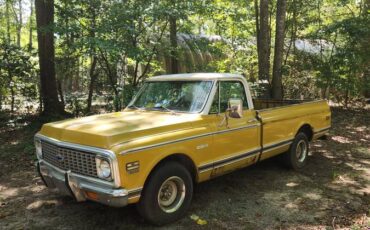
(69, 159)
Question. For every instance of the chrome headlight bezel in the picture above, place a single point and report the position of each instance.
(104, 168)
(38, 148)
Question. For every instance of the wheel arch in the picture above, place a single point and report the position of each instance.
(307, 129)
(181, 158)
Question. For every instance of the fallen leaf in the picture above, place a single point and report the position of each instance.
(194, 217)
(198, 220)
(201, 222)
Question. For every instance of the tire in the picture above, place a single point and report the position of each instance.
(296, 157)
(158, 204)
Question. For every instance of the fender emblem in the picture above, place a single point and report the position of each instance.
(202, 146)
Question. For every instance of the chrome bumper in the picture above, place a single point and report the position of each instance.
(80, 187)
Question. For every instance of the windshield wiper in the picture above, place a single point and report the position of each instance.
(135, 107)
(164, 108)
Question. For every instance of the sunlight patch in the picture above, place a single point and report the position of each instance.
(291, 206)
(9, 192)
(14, 142)
(40, 203)
(313, 196)
(360, 129)
(292, 184)
(340, 139)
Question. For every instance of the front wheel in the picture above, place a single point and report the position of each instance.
(296, 156)
(167, 195)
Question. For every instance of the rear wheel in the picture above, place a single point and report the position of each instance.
(167, 195)
(296, 156)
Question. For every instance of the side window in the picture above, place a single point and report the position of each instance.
(227, 90)
(232, 89)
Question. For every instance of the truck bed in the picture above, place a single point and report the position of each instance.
(282, 119)
(260, 104)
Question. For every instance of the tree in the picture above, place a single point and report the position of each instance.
(16, 73)
(30, 27)
(7, 15)
(365, 48)
(263, 45)
(174, 65)
(19, 20)
(45, 37)
(277, 86)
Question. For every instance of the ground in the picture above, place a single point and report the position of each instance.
(332, 192)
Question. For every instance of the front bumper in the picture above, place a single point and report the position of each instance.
(80, 187)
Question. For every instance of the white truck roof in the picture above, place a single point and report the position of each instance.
(195, 76)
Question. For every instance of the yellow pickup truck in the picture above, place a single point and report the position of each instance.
(177, 131)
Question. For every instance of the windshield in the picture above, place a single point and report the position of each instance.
(182, 96)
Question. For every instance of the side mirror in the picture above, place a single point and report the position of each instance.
(235, 108)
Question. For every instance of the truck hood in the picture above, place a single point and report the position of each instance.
(107, 130)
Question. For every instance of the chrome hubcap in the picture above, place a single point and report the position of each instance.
(301, 151)
(171, 194)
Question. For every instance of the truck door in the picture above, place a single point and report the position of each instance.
(236, 140)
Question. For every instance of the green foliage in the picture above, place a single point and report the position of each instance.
(17, 72)
(130, 42)
(75, 103)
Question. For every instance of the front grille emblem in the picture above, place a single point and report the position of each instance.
(60, 157)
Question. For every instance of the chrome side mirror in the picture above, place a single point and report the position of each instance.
(235, 109)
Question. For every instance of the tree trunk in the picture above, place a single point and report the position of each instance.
(264, 48)
(41, 108)
(293, 33)
(366, 79)
(112, 77)
(365, 46)
(31, 24)
(19, 24)
(174, 64)
(12, 99)
(45, 36)
(277, 86)
(7, 21)
(92, 83)
(60, 92)
(256, 8)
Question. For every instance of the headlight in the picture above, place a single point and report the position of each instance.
(38, 147)
(103, 168)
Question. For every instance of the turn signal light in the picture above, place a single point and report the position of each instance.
(92, 195)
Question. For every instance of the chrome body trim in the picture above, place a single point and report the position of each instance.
(133, 193)
(325, 129)
(277, 144)
(110, 155)
(239, 157)
(186, 139)
(228, 160)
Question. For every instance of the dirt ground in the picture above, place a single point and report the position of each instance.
(332, 192)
